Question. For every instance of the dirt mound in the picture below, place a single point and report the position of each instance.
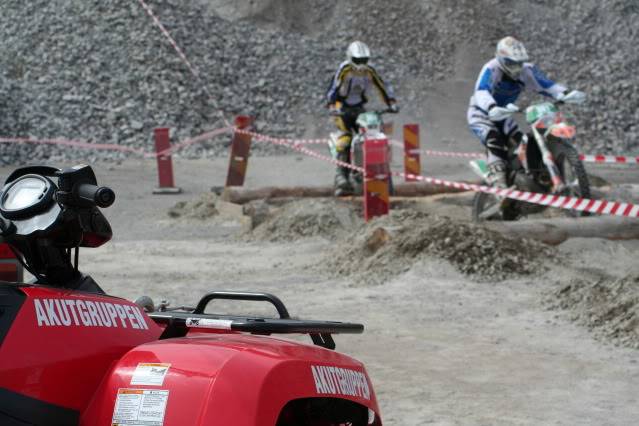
(326, 218)
(392, 245)
(201, 208)
(609, 308)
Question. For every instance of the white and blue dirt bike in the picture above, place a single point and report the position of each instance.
(545, 162)
(369, 125)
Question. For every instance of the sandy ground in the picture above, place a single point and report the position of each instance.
(440, 348)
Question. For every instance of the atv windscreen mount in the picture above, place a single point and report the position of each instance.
(179, 322)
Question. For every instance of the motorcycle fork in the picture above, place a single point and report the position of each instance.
(357, 150)
(549, 161)
(522, 153)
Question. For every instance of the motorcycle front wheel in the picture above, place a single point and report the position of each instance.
(490, 207)
(573, 173)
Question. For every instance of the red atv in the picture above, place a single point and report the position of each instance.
(72, 355)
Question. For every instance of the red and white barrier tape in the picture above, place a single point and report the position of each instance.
(570, 203)
(559, 201)
(311, 141)
(120, 148)
(586, 158)
(191, 141)
(284, 141)
(76, 144)
(298, 145)
(186, 61)
(609, 159)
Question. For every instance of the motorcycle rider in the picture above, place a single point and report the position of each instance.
(346, 98)
(499, 84)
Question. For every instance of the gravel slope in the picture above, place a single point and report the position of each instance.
(101, 71)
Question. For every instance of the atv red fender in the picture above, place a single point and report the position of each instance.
(235, 380)
(72, 356)
(56, 345)
(79, 358)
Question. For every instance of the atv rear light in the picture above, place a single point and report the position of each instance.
(10, 271)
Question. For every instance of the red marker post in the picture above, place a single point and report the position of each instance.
(376, 181)
(412, 163)
(165, 163)
(240, 149)
(10, 269)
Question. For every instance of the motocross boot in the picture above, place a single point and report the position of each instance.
(342, 183)
(497, 177)
(497, 174)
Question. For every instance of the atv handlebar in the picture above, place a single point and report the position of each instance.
(101, 196)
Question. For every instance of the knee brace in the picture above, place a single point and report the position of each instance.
(496, 144)
(343, 142)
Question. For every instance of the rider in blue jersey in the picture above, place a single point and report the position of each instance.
(500, 83)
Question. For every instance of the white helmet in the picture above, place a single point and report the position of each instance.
(511, 55)
(358, 54)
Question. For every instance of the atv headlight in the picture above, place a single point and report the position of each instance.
(26, 196)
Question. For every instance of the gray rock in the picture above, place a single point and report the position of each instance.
(136, 125)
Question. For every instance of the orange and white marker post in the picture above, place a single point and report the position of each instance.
(240, 148)
(412, 164)
(166, 184)
(376, 179)
(10, 269)
(388, 128)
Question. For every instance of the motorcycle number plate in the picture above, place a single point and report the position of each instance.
(140, 407)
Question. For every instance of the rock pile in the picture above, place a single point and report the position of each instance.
(99, 70)
(202, 208)
(609, 308)
(326, 218)
(389, 246)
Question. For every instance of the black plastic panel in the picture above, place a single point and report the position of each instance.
(11, 300)
(20, 410)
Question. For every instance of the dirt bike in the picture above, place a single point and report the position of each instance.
(545, 161)
(369, 125)
(72, 355)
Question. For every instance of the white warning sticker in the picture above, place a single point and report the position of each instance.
(209, 323)
(150, 374)
(140, 407)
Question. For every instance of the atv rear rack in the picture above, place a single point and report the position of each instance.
(179, 322)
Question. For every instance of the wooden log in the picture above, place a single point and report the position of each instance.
(243, 195)
(557, 230)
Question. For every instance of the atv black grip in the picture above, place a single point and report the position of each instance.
(100, 195)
